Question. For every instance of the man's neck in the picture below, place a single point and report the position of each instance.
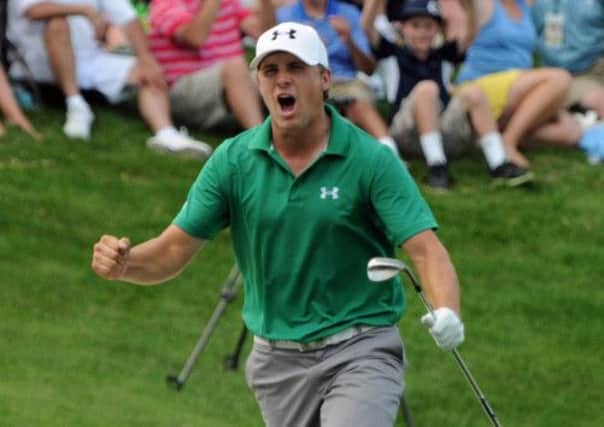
(301, 147)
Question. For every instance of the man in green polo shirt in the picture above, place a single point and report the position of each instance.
(309, 198)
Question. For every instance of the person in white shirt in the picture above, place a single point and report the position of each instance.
(61, 42)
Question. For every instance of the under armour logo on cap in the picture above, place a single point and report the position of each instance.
(300, 40)
(291, 33)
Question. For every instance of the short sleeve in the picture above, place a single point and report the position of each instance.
(206, 210)
(398, 203)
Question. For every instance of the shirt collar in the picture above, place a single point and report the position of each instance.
(338, 134)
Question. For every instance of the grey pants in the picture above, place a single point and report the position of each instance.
(355, 383)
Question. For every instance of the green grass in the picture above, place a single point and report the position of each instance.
(76, 350)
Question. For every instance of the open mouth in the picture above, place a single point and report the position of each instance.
(286, 102)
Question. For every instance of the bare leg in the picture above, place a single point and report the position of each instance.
(364, 115)
(153, 102)
(478, 109)
(241, 94)
(535, 97)
(57, 38)
(595, 101)
(563, 130)
(154, 106)
(425, 97)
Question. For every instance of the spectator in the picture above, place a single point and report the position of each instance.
(199, 45)
(423, 95)
(12, 111)
(526, 102)
(349, 52)
(570, 35)
(62, 42)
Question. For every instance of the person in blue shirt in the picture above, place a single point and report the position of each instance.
(528, 103)
(348, 49)
(570, 35)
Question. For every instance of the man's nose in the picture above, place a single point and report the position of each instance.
(284, 77)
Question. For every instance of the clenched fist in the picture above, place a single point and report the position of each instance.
(110, 257)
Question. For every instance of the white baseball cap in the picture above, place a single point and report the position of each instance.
(298, 39)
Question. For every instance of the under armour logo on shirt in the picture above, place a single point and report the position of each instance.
(291, 33)
(333, 192)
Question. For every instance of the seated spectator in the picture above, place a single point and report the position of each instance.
(424, 118)
(62, 43)
(199, 45)
(526, 102)
(570, 35)
(11, 110)
(338, 24)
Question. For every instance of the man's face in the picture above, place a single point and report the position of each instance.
(419, 32)
(291, 89)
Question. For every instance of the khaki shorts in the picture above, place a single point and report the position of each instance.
(454, 124)
(586, 82)
(197, 100)
(348, 90)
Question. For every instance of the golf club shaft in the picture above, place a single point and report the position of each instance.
(460, 362)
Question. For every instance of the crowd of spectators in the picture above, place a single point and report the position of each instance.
(494, 75)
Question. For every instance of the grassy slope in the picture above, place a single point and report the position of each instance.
(78, 351)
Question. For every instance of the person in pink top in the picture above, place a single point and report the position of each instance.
(198, 43)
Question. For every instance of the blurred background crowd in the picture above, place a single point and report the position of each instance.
(431, 79)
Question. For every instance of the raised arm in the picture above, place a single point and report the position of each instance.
(149, 263)
(261, 20)
(362, 61)
(368, 15)
(195, 32)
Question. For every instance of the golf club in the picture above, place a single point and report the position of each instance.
(229, 291)
(380, 269)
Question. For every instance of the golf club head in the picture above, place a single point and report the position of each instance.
(380, 269)
(174, 382)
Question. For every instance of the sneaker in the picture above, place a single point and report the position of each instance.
(511, 175)
(439, 177)
(78, 122)
(180, 143)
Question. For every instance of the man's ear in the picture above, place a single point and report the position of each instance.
(325, 79)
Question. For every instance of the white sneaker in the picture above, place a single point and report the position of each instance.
(78, 123)
(180, 143)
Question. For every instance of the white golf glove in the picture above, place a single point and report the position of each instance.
(445, 326)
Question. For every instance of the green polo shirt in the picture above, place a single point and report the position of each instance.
(303, 243)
